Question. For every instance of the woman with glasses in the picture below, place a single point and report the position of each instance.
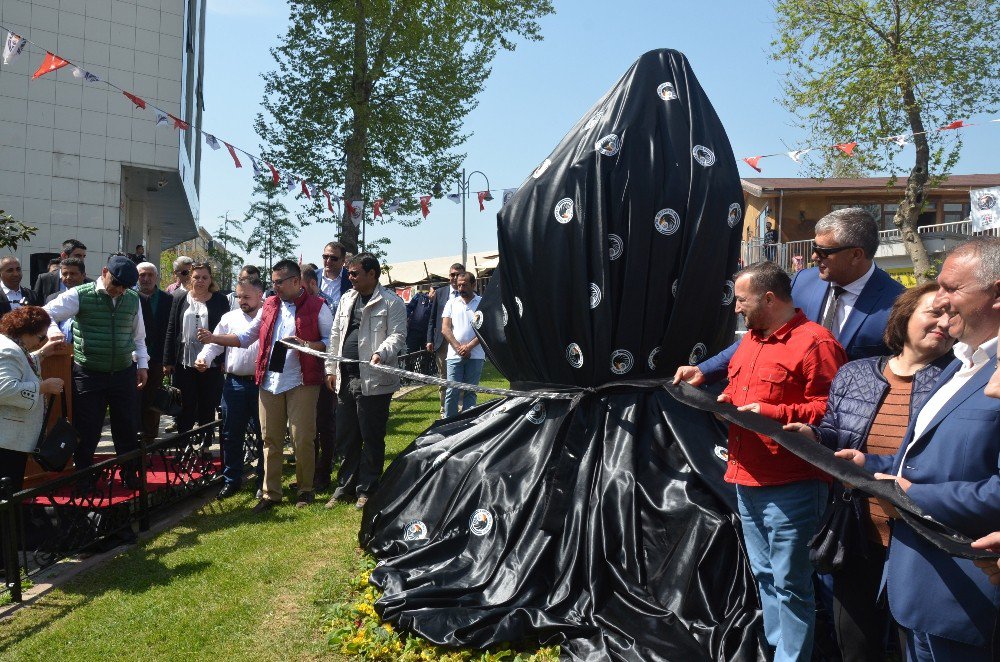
(22, 390)
(199, 307)
(182, 274)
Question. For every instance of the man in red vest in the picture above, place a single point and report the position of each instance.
(289, 381)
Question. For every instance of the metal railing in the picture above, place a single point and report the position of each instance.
(100, 504)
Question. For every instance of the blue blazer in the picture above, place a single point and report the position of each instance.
(955, 469)
(861, 336)
(345, 284)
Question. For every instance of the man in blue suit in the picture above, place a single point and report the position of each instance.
(845, 292)
(949, 464)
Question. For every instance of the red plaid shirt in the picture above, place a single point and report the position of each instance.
(789, 374)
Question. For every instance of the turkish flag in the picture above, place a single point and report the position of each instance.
(847, 148)
(49, 64)
(425, 205)
(483, 196)
(752, 161)
(305, 189)
(274, 173)
(232, 153)
(329, 203)
(179, 123)
(957, 124)
(139, 103)
(377, 209)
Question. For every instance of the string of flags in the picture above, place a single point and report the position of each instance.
(847, 148)
(353, 209)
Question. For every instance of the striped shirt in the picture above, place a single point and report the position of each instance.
(884, 438)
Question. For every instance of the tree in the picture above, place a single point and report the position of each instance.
(222, 251)
(14, 232)
(867, 69)
(369, 95)
(273, 236)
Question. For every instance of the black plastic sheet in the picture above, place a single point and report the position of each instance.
(601, 523)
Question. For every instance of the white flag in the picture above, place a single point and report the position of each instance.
(162, 118)
(212, 141)
(902, 140)
(798, 154)
(256, 166)
(455, 197)
(985, 208)
(508, 193)
(394, 205)
(13, 47)
(86, 75)
(291, 182)
(357, 211)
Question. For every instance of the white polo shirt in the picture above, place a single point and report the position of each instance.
(461, 314)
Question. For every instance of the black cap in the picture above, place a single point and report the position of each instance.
(123, 270)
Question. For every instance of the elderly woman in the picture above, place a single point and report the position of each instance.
(22, 406)
(870, 404)
(200, 307)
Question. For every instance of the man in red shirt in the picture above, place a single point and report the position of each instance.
(782, 369)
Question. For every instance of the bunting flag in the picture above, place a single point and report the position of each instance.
(508, 193)
(847, 148)
(13, 47)
(305, 189)
(232, 153)
(796, 155)
(212, 141)
(394, 205)
(902, 140)
(257, 170)
(957, 124)
(483, 196)
(275, 177)
(455, 197)
(50, 64)
(357, 212)
(291, 183)
(752, 161)
(377, 208)
(313, 192)
(179, 123)
(329, 203)
(139, 103)
(161, 117)
(425, 205)
(86, 75)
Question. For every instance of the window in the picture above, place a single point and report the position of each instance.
(953, 212)
(928, 214)
(888, 217)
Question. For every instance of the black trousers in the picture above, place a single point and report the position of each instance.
(361, 424)
(12, 465)
(860, 621)
(201, 393)
(93, 394)
(327, 450)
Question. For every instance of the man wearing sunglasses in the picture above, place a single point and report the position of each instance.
(845, 292)
(332, 277)
(110, 360)
(435, 339)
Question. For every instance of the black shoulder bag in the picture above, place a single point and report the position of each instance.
(840, 534)
(56, 447)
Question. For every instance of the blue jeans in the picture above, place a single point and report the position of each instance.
(778, 522)
(467, 371)
(239, 410)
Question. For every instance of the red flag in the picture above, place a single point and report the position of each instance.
(483, 196)
(49, 64)
(139, 103)
(305, 190)
(274, 173)
(957, 124)
(847, 148)
(425, 205)
(179, 123)
(329, 204)
(377, 210)
(752, 161)
(232, 153)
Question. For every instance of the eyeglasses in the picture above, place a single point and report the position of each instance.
(279, 281)
(332, 258)
(182, 273)
(455, 274)
(824, 252)
(353, 274)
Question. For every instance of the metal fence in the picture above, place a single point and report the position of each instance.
(99, 506)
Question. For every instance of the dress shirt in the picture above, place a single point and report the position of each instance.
(461, 314)
(239, 361)
(67, 305)
(13, 296)
(789, 373)
(973, 360)
(284, 326)
(329, 289)
(845, 303)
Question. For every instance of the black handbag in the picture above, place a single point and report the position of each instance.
(840, 535)
(167, 400)
(56, 446)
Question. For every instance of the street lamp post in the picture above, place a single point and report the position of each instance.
(463, 191)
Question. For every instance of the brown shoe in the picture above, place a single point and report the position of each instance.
(305, 498)
(332, 503)
(264, 505)
(362, 500)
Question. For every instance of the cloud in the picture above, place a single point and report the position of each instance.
(246, 7)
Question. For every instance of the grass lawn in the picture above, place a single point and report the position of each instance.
(224, 584)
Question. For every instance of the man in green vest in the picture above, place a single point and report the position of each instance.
(109, 340)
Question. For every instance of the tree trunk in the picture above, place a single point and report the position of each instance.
(909, 208)
(357, 143)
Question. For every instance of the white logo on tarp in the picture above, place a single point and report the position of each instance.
(667, 221)
(594, 119)
(698, 354)
(415, 530)
(621, 361)
(536, 414)
(481, 522)
(666, 91)
(595, 295)
(722, 453)
(441, 458)
(574, 355)
(477, 319)
(703, 155)
(520, 306)
(542, 168)
(651, 360)
(673, 288)
(608, 145)
(503, 309)
(728, 292)
(615, 246)
(735, 214)
(564, 210)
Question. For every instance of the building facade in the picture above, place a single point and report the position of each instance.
(77, 158)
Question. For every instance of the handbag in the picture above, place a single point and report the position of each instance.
(56, 446)
(840, 535)
(167, 400)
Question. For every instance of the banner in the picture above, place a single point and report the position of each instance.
(984, 213)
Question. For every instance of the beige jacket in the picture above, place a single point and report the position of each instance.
(382, 332)
(22, 405)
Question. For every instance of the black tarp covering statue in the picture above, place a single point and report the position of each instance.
(599, 522)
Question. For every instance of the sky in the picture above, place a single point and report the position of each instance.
(533, 97)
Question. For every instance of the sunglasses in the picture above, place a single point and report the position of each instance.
(279, 281)
(824, 252)
(332, 258)
(182, 273)
(353, 274)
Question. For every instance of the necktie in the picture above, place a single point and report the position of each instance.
(829, 319)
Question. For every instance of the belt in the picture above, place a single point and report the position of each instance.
(241, 378)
